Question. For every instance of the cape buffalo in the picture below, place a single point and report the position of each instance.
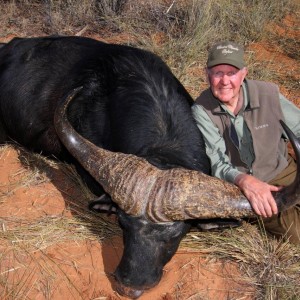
(129, 103)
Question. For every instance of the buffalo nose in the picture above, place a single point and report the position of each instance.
(128, 292)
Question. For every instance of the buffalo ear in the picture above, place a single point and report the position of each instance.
(103, 204)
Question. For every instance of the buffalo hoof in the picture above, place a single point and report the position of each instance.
(217, 224)
(128, 292)
(103, 204)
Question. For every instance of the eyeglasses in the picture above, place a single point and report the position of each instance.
(220, 74)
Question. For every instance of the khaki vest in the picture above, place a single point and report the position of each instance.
(262, 116)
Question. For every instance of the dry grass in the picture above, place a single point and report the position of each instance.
(89, 223)
(53, 228)
(272, 267)
(179, 31)
(25, 243)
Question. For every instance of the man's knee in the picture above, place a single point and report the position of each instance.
(286, 225)
(290, 221)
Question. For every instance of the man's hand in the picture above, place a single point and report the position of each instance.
(259, 194)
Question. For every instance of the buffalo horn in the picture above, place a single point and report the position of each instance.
(140, 189)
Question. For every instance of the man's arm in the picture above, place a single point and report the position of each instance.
(257, 192)
(291, 114)
(215, 146)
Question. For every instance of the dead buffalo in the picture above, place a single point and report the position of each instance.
(130, 133)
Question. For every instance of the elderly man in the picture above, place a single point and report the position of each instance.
(239, 119)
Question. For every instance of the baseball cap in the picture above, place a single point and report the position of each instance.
(228, 53)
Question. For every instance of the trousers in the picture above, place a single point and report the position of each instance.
(286, 224)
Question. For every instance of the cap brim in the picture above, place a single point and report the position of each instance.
(234, 63)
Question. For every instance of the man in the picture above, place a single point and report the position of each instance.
(239, 119)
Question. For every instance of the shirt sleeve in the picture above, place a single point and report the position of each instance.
(291, 114)
(215, 146)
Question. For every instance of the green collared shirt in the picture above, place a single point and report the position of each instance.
(215, 144)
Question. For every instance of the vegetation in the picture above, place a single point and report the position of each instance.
(180, 32)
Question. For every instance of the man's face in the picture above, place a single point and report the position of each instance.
(225, 82)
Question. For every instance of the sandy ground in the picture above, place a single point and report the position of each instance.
(82, 268)
(59, 265)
